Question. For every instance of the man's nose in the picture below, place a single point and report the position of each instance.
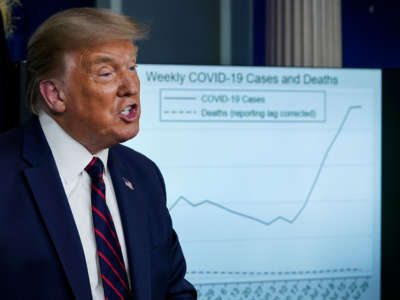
(129, 85)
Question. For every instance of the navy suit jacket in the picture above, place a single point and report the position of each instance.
(41, 255)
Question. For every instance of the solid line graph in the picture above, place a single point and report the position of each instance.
(179, 98)
(279, 218)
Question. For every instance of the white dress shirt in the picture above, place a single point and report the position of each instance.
(71, 159)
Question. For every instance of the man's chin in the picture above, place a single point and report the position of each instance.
(113, 138)
(129, 135)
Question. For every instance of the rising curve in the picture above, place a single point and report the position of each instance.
(279, 218)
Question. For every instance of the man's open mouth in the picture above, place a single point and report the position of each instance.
(129, 113)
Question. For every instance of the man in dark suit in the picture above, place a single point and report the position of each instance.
(84, 89)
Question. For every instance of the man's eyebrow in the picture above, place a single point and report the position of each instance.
(106, 59)
(101, 60)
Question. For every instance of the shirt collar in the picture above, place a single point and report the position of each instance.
(70, 156)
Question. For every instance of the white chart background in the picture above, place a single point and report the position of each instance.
(256, 200)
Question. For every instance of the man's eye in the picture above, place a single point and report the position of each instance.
(133, 68)
(107, 74)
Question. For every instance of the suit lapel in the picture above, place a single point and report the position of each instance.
(135, 224)
(52, 202)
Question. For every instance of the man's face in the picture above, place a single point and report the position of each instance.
(101, 90)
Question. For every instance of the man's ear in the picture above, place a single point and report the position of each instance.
(53, 95)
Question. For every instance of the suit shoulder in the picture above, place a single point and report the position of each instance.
(11, 161)
(10, 143)
(129, 155)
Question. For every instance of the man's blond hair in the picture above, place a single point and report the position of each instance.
(69, 30)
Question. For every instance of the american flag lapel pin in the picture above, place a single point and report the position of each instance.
(128, 183)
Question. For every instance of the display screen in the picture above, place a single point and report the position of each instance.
(273, 177)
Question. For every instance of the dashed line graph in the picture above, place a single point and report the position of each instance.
(307, 198)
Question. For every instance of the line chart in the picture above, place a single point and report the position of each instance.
(272, 182)
(279, 218)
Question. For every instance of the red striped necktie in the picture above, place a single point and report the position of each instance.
(113, 271)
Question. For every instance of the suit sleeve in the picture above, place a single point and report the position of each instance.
(178, 286)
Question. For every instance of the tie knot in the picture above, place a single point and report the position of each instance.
(95, 168)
